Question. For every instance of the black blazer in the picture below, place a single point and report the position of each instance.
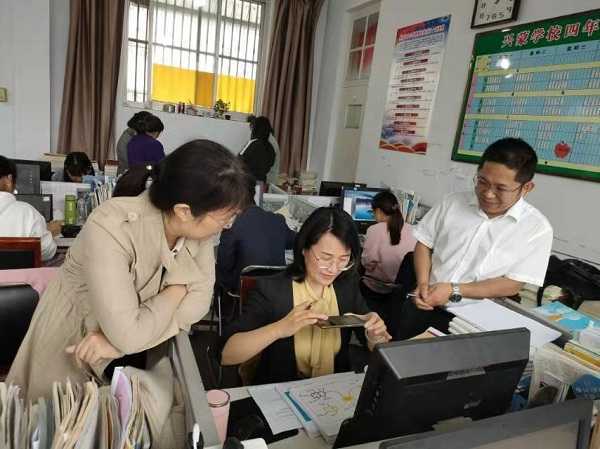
(257, 237)
(271, 301)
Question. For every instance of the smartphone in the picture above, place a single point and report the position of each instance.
(340, 321)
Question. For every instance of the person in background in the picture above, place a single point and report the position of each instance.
(258, 154)
(134, 181)
(257, 237)
(273, 174)
(485, 243)
(281, 312)
(144, 147)
(77, 165)
(386, 244)
(134, 127)
(140, 271)
(19, 219)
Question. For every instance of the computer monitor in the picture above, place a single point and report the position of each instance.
(412, 385)
(28, 178)
(41, 202)
(334, 188)
(45, 168)
(565, 425)
(357, 202)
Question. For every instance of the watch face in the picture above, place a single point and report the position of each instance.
(492, 11)
(455, 298)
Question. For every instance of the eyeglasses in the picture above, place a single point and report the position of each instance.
(482, 185)
(224, 223)
(329, 262)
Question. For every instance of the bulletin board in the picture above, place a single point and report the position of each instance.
(540, 82)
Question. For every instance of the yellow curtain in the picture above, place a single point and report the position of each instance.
(173, 85)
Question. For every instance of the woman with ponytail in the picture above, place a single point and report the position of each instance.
(386, 244)
(140, 271)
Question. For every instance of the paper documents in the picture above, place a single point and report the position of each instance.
(490, 316)
(329, 403)
(277, 412)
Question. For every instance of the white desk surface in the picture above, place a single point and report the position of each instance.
(300, 441)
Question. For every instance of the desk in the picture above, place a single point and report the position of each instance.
(300, 441)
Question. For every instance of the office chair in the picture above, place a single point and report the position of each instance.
(17, 304)
(247, 283)
(20, 252)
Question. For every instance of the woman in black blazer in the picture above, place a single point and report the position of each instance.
(278, 321)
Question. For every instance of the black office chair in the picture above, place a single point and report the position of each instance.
(17, 304)
(247, 282)
(20, 252)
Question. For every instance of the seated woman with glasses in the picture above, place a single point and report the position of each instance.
(279, 319)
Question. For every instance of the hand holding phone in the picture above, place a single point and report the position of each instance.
(348, 320)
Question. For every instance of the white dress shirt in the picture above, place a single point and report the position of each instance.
(19, 219)
(468, 246)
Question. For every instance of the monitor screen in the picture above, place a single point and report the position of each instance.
(475, 374)
(28, 178)
(357, 203)
(42, 203)
(45, 168)
(334, 188)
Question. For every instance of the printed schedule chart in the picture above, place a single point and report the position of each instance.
(539, 82)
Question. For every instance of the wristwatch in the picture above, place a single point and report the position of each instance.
(456, 295)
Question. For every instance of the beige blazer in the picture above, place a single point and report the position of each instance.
(111, 280)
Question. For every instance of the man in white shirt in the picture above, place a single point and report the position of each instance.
(486, 243)
(19, 219)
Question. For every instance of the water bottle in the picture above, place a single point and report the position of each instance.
(70, 209)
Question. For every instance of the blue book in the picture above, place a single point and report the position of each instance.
(566, 317)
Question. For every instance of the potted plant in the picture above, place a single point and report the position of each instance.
(220, 108)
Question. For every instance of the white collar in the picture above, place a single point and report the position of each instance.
(516, 210)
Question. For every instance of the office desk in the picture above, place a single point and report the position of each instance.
(300, 441)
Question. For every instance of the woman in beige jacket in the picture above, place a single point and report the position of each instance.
(141, 270)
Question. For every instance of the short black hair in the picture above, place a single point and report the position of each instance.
(515, 154)
(202, 174)
(152, 124)
(320, 222)
(77, 163)
(8, 167)
(261, 128)
(136, 122)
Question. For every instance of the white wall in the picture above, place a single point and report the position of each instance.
(25, 72)
(59, 40)
(181, 128)
(570, 205)
(331, 74)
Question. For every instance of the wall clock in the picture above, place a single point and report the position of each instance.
(491, 12)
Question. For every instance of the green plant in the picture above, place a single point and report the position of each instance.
(220, 108)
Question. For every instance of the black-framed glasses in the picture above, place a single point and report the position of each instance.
(482, 185)
(330, 263)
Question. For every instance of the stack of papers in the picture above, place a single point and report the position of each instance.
(486, 315)
(76, 417)
(318, 405)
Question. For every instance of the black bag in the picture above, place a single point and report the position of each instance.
(579, 279)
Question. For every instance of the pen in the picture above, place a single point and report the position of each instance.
(411, 295)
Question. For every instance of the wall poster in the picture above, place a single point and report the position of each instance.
(414, 77)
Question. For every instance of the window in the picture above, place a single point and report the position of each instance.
(195, 51)
(362, 45)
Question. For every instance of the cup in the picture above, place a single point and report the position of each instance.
(218, 401)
